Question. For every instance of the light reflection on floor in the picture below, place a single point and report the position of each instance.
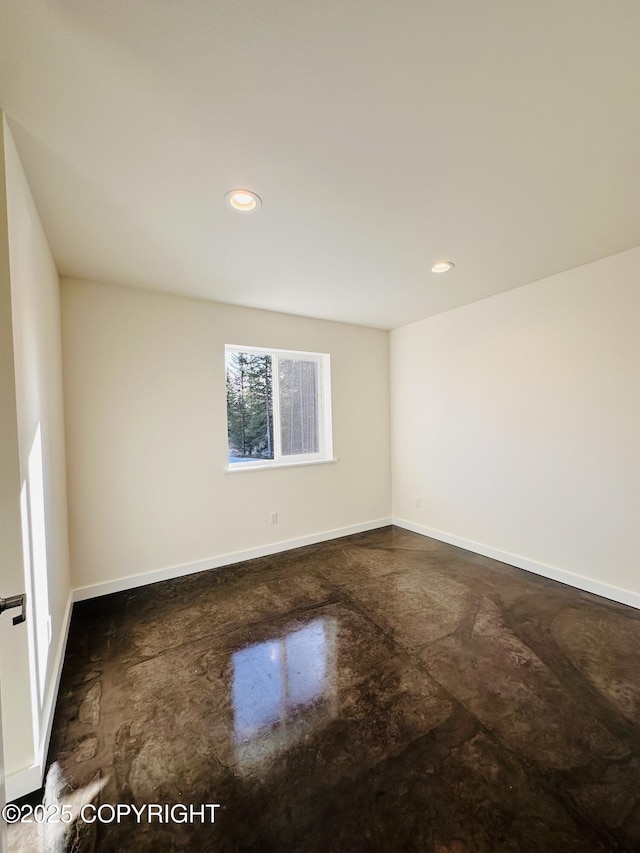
(282, 689)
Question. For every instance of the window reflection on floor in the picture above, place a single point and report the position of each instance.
(282, 689)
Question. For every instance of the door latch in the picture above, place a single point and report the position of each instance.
(15, 601)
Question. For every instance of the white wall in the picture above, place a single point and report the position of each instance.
(516, 421)
(19, 748)
(147, 437)
(33, 324)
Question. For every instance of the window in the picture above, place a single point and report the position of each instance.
(278, 407)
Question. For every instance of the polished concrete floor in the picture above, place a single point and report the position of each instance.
(381, 692)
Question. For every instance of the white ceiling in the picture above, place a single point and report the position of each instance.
(382, 135)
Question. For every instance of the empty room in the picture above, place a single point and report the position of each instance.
(319, 418)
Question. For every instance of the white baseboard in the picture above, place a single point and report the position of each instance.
(605, 590)
(132, 581)
(29, 779)
(23, 782)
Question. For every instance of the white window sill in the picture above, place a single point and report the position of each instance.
(250, 466)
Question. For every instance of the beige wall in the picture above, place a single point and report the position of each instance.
(516, 421)
(16, 696)
(32, 322)
(146, 433)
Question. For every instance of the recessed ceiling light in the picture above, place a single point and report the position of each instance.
(243, 200)
(442, 266)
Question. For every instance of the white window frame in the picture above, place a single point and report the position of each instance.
(325, 427)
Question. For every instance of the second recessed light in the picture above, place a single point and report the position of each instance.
(442, 266)
(243, 200)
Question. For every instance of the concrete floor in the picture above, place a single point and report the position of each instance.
(381, 692)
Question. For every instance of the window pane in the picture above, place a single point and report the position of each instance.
(249, 406)
(298, 406)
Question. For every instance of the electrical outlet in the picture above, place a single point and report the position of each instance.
(273, 518)
(418, 503)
